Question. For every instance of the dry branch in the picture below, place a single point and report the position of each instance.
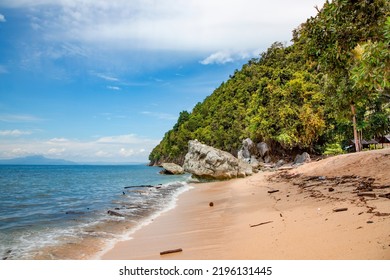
(273, 191)
(171, 251)
(340, 209)
(261, 224)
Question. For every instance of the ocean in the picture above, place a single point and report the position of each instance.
(78, 211)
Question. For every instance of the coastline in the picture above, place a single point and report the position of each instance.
(289, 224)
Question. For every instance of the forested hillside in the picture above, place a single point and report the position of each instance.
(300, 96)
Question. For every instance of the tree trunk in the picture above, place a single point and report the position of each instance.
(355, 134)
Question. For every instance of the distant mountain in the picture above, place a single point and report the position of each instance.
(36, 160)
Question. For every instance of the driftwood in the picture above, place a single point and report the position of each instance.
(211, 204)
(273, 191)
(340, 209)
(371, 194)
(261, 224)
(171, 251)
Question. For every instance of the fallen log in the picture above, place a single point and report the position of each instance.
(340, 209)
(171, 251)
(273, 191)
(264, 223)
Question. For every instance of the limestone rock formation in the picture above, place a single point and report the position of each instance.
(207, 162)
(172, 169)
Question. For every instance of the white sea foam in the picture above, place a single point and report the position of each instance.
(170, 204)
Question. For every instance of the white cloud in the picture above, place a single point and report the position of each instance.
(218, 58)
(120, 139)
(193, 25)
(102, 154)
(113, 87)
(58, 140)
(107, 77)
(126, 152)
(56, 151)
(15, 132)
(2, 18)
(222, 57)
(118, 148)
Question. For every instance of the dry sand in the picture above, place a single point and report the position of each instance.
(299, 219)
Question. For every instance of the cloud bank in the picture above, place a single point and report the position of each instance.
(118, 148)
(201, 26)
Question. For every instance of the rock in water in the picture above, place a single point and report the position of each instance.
(172, 168)
(207, 162)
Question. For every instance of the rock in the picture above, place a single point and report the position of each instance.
(254, 163)
(250, 146)
(303, 158)
(244, 169)
(248, 151)
(113, 213)
(267, 159)
(243, 155)
(207, 162)
(263, 149)
(280, 163)
(172, 169)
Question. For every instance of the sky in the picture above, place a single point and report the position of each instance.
(103, 81)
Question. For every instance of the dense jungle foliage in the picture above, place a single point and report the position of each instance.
(299, 97)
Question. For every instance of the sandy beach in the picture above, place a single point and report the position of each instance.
(335, 208)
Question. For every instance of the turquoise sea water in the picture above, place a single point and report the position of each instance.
(51, 212)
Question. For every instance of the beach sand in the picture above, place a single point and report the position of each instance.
(296, 222)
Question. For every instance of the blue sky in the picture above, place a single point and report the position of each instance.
(104, 80)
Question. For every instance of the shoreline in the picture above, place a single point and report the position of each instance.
(289, 224)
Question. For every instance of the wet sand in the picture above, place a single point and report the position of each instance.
(296, 222)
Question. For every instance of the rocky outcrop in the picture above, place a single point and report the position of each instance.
(207, 162)
(254, 154)
(172, 169)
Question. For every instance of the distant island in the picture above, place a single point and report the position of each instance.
(36, 160)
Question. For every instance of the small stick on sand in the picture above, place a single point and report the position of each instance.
(261, 224)
(171, 251)
(273, 191)
(340, 209)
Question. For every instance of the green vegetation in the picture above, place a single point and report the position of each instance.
(302, 96)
